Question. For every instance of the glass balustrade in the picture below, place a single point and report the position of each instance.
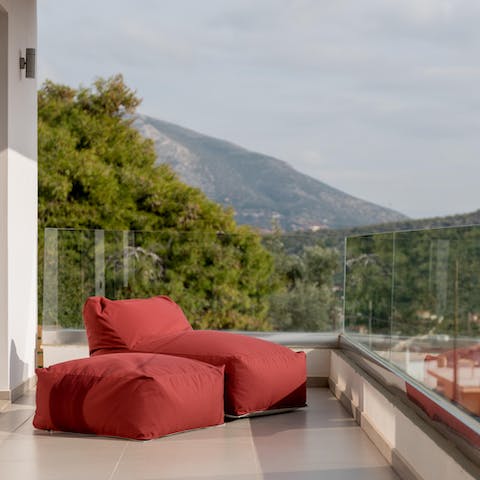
(410, 299)
(413, 298)
(240, 282)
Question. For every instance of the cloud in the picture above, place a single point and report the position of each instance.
(344, 90)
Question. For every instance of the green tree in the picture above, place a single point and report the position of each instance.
(97, 172)
(306, 301)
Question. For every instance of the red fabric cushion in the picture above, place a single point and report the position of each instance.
(120, 324)
(132, 395)
(260, 375)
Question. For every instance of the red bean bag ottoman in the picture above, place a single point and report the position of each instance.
(131, 395)
(260, 376)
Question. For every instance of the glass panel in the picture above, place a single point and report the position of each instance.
(421, 293)
(368, 290)
(49, 300)
(243, 282)
(454, 372)
(76, 275)
(414, 298)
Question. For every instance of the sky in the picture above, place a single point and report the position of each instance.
(378, 98)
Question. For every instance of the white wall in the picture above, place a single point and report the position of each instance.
(4, 370)
(18, 203)
(413, 448)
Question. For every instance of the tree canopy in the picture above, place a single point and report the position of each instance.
(306, 300)
(97, 172)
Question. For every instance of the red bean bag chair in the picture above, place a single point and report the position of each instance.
(260, 376)
(130, 395)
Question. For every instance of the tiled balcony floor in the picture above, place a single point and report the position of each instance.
(319, 442)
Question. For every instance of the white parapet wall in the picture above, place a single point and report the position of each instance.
(318, 365)
(61, 346)
(318, 360)
(413, 448)
(53, 354)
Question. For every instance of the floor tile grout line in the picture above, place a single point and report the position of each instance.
(117, 464)
(258, 467)
(23, 423)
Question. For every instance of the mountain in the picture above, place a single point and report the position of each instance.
(258, 187)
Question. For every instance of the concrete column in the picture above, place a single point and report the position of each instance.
(18, 199)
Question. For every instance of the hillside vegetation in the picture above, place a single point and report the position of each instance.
(334, 238)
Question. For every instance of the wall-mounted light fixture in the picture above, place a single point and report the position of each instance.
(27, 63)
